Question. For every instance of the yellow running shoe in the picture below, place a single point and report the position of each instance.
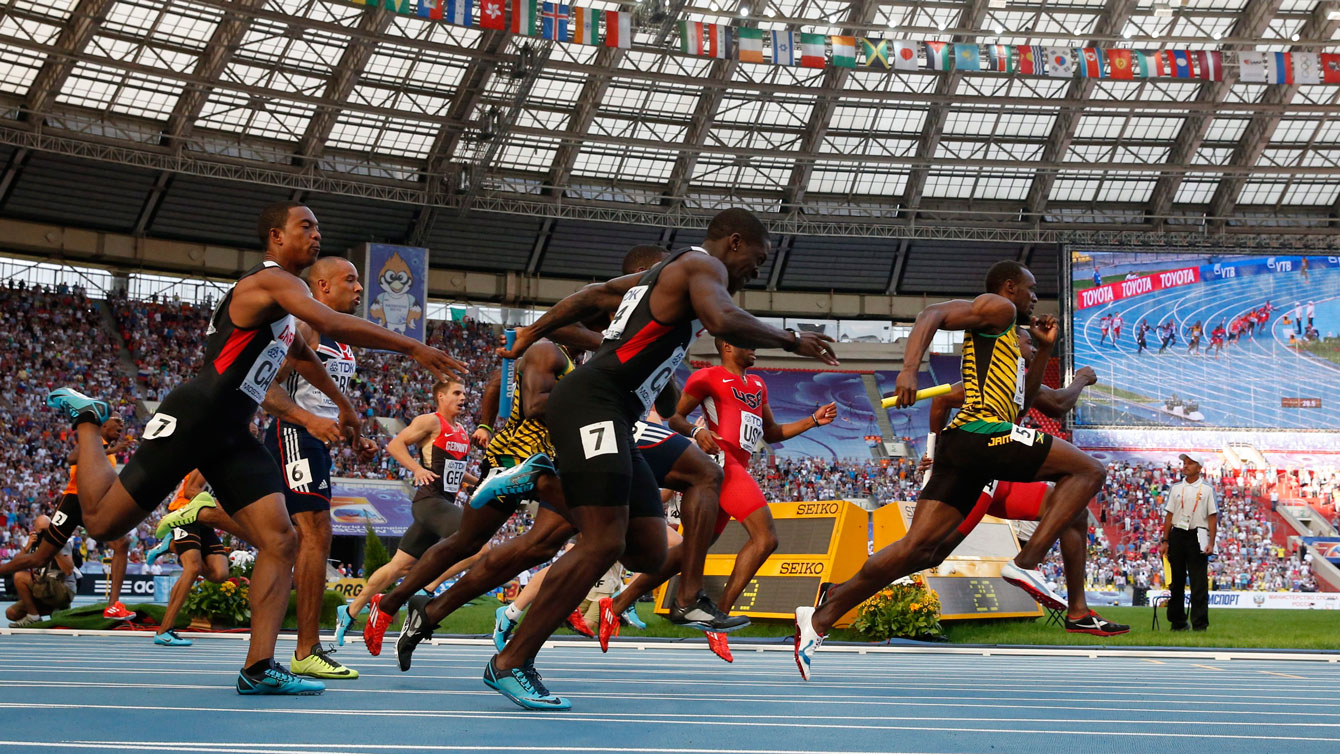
(185, 515)
(320, 664)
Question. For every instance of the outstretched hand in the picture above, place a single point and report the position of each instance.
(825, 414)
(816, 346)
(525, 338)
(441, 364)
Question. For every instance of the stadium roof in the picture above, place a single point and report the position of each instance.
(338, 99)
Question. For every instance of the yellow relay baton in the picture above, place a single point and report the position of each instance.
(922, 394)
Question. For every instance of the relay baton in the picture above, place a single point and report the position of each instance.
(930, 453)
(508, 382)
(922, 394)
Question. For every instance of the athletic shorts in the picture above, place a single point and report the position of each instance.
(740, 495)
(1015, 501)
(969, 458)
(661, 447)
(188, 433)
(435, 519)
(67, 517)
(197, 536)
(598, 460)
(305, 464)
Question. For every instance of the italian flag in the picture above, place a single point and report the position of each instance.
(751, 45)
(844, 52)
(524, 16)
(691, 37)
(618, 29)
(812, 51)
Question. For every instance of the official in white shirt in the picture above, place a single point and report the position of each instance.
(1188, 539)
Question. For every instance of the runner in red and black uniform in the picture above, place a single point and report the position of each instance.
(205, 422)
(610, 490)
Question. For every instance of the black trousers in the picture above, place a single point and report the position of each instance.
(1188, 561)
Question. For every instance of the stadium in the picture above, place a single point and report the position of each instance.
(744, 375)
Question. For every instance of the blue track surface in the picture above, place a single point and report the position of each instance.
(1244, 386)
(61, 693)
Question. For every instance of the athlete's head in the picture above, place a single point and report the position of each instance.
(1012, 280)
(643, 257)
(290, 229)
(741, 242)
(449, 396)
(334, 282)
(1026, 348)
(112, 428)
(735, 356)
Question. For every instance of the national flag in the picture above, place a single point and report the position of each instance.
(1181, 64)
(812, 51)
(461, 12)
(750, 45)
(585, 26)
(1032, 60)
(403, 7)
(492, 15)
(554, 22)
(1000, 58)
(524, 14)
(844, 52)
(875, 52)
(1210, 65)
(1149, 64)
(430, 9)
(967, 58)
(1330, 68)
(1090, 65)
(939, 55)
(1059, 62)
(1279, 68)
(1119, 64)
(903, 55)
(691, 37)
(618, 29)
(783, 48)
(1306, 68)
(718, 40)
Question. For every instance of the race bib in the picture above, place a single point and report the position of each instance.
(263, 371)
(625, 312)
(298, 473)
(751, 431)
(1023, 435)
(453, 471)
(1020, 373)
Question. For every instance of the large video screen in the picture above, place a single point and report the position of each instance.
(1216, 340)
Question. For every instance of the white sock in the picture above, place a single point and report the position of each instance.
(33, 616)
(512, 612)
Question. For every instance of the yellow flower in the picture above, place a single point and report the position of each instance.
(227, 587)
(914, 606)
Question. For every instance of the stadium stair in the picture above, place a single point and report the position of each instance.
(390, 425)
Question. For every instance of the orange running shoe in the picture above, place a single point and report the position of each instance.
(717, 643)
(377, 624)
(117, 611)
(577, 623)
(609, 623)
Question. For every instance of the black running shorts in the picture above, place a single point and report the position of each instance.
(67, 517)
(197, 536)
(187, 433)
(970, 457)
(435, 519)
(305, 464)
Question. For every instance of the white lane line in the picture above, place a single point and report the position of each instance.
(280, 748)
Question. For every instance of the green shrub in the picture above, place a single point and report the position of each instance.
(901, 610)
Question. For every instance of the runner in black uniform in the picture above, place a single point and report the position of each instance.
(204, 422)
(611, 492)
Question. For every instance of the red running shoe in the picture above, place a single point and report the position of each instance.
(117, 611)
(577, 623)
(609, 622)
(378, 622)
(717, 643)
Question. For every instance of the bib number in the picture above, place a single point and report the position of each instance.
(1023, 435)
(453, 472)
(751, 431)
(263, 371)
(179, 533)
(298, 473)
(625, 312)
(59, 518)
(160, 425)
(598, 439)
(1019, 384)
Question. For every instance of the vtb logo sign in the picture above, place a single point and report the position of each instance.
(752, 400)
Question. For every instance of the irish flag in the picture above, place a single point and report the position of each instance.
(844, 52)
(751, 45)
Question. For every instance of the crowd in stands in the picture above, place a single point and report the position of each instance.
(881, 480)
(165, 340)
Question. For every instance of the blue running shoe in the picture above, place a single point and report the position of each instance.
(79, 408)
(343, 622)
(171, 639)
(633, 618)
(157, 551)
(277, 680)
(518, 480)
(502, 628)
(524, 687)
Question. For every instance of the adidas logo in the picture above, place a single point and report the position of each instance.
(324, 485)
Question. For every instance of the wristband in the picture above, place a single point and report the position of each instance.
(814, 419)
(694, 433)
(794, 344)
(485, 427)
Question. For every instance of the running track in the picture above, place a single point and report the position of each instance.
(90, 693)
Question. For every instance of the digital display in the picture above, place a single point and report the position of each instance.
(972, 595)
(763, 594)
(795, 536)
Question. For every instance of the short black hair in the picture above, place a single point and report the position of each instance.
(274, 216)
(643, 257)
(1002, 272)
(736, 220)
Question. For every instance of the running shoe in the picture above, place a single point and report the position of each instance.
(808, 640)
(523, 686)
(157, 551)
(276, 680)
(185, 515)
(170, 638)
(343, 622)
(609, 623)
(502, 628)
(320, 664)
(416, 628)
(578, 623)
(518, 480)
(376, 626)
(117, 611)
(716, 642)
(704, 615)
(1095, 624)
(1032, 582)
(631, 617)
(79, 408)
(25, 621)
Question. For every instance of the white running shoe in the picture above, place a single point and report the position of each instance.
(808, 640)
(1033, 583)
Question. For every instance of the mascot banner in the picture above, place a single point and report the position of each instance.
(396, 290)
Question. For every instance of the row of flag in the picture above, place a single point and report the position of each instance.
(569, 23)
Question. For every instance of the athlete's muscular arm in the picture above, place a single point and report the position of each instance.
(26, 560)
(309, 365)
(291, 294)
(704, 437)
(988, 312)
(422, 428)
(281, 405)
(488, 412)
(942, 404)
(1057, 403)
(542, 364)
(1044, 330)
(577, 336)
(586, 303)
(774, 432)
